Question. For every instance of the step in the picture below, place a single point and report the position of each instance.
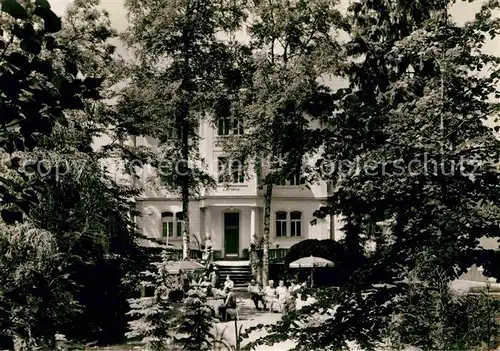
(235, 274)
(236, 277)
(239, 271)
(234, 263)
(242, 275)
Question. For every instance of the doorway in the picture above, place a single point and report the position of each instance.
(231, 234)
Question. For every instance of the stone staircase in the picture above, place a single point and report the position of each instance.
(239, 271)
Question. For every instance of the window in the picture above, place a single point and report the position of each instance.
(239, 128)
(172, 226)
(223, 125)
(167, 224)
(230, 171)
(237, 173)
(296, 223)
(179, 220)
(292, 178)
(296, 179)
(281, 223)
(222, 172)
(329, 186)
(230, 126)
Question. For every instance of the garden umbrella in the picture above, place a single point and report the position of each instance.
(185, 265)
(311, 262)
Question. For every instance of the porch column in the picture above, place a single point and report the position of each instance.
(208, 223)
(203, 228)
(253, 225)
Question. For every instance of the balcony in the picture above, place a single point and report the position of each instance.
(176, 255)
(277, 255)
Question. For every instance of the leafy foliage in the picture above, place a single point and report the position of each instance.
(433, 317)
(88, 211)
(292, 46)
(178, 58)
(412, 126)
(80, 207)
(154, 322)
(34, 93)
(195, 322)
(35, 298)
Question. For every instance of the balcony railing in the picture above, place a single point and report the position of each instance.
(277, 255)
(176, 255)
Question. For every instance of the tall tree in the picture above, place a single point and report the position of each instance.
(413, 120)
(84, 206)
(293, 46)
(35, 92)
(37, 88)
(178, 48)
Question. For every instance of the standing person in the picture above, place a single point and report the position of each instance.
(207, 250)
(228, 283)
(185, 281)
(255, 294)
(214, 277)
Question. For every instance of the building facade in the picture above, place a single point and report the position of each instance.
(232, 213)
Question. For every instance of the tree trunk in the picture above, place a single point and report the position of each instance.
(185, 134)
(185, 185)
(185, 232)
(254, 259)
(267, 230)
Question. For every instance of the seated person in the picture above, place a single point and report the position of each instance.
(255, 294)
(282, 293)
(294, 287)
(270, 300)
(293, 290)
(206, 286)
(229, 307)
(228, 283)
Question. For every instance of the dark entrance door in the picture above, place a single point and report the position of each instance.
(232, 233)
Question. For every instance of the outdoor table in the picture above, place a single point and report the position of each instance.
(214, 305)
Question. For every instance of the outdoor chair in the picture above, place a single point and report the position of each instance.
(234, 312)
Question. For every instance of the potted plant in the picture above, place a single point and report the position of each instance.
(256, 257)
(256, 245)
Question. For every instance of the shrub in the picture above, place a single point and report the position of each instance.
(442, 321)
(431, 316)
(195, 323)
(154, 322)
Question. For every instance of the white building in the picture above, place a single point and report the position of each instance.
(232, 213)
